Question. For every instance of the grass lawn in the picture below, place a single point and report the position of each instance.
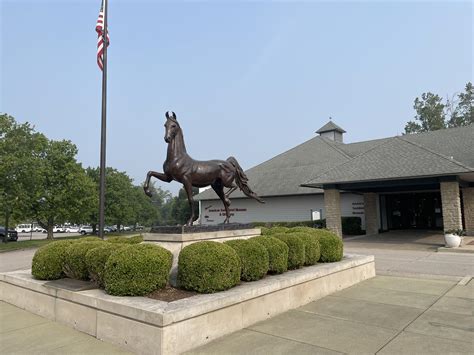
(28, 244)
(36, 243)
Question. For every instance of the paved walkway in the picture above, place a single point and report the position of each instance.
(388, 314)
(22, 332)
(412, 253)
(384, 315)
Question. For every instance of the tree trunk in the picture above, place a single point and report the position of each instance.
(7, 220)
(49, 228)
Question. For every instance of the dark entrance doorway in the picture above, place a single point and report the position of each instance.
(420, 210)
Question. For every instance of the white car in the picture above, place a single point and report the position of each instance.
(23, 228)
(72, 229)
(85, 230)
(58, 229)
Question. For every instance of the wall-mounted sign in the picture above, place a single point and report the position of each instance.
(358, 208)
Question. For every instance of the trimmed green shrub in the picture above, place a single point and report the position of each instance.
(278, 230)
(253, 258)
(351, 225)
(331, 246)
(208, 267)
(74, 265)
(320, 223)
(303, 229)
(284, 224)
(48, 260)
(90, 239)
(132, 240)
(296, 252)
(96, 259)
(312, 251)
(265, 230)
(137, 269)
(277, 253)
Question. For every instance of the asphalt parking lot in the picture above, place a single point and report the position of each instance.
(39, 235)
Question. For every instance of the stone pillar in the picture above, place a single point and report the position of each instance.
(370, 210)
(468, 204)
(332, 203)
(451, 203)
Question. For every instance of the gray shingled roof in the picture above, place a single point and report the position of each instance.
(444, 152)
(454, 142)
(283, 174)
(322, 161)
(330, 126)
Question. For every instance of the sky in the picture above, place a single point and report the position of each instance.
(247, 79)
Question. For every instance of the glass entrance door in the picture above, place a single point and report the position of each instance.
(420, 210)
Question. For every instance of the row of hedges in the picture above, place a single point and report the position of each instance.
(350, 225)
(120, 265)
(208, 267)
(123, 267)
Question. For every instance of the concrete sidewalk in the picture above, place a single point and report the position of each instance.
(22, 332)
(386, 315)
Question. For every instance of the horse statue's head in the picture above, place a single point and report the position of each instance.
(171, 126)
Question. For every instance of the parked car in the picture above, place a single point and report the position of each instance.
(72, 229)
(23, 228)
(11, 236)
(111, 228)
(37, 228)
(106, 230)
(85, 230)
(58, 229)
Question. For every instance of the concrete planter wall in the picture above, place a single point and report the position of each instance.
(148, 326)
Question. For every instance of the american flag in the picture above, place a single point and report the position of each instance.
(100, 39)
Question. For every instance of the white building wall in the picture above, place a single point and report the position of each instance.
(286, 208)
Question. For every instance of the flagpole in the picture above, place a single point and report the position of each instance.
(103, 127)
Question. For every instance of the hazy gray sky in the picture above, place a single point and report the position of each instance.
(249, 79)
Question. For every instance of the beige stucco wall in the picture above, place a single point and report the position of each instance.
(282, 208)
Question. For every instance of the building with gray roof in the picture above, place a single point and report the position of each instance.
(411, 181)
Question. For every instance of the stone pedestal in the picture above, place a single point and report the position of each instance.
(176, 238)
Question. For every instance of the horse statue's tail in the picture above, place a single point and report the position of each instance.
(241, 180)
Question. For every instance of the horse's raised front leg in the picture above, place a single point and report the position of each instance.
(189, 191)
(161, 176)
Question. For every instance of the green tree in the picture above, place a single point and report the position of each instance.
(159, 201)
(145, 211)
(430, 115)
(463, 112)
(67, 193)
(433, 114)
(178, 211)
(120, 200)
(20, 153)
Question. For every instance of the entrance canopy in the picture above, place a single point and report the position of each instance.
(411, 181)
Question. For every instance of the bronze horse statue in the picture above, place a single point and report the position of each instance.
(179, 166)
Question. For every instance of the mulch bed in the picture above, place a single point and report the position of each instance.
(170, 294)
